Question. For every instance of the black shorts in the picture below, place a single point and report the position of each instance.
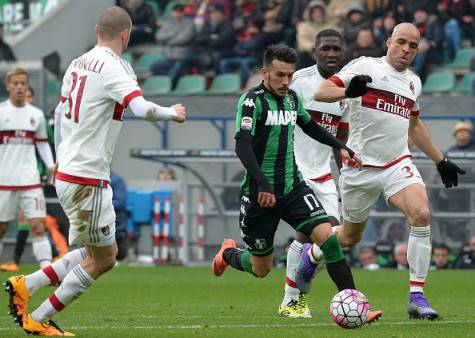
(300, 208)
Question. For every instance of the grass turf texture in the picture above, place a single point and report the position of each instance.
(191, 302)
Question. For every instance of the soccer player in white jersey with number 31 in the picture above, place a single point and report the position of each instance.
(383, 96)
(97, 87)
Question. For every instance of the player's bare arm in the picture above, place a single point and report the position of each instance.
(448, 170)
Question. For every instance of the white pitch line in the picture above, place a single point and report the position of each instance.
(245, 326)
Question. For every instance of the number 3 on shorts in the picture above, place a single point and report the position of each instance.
(407, 171)
(309, 198)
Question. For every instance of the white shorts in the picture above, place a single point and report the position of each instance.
(90, 212)
(327, 195)
(31, 202)
(360, 190)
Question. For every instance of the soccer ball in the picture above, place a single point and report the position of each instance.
(349, 309)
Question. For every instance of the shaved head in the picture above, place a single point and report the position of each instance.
(405, 28)
(403, 45)
(112, 22)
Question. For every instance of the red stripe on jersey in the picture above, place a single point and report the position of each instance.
(130, 97)
(386, 166)
(328, 121)
(62, 99)
(51, 274)
(415, 113)
(336, 80)
(20, 187)
(323, 178)
(291, 283)
(118, 112)
(56, 302)
(81, 180)
(414, 283)
(21, 137)
(388, 102)
(344, 126)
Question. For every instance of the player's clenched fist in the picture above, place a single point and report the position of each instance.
(357, 86)
(180, 112)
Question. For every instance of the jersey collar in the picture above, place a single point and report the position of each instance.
(394, 70)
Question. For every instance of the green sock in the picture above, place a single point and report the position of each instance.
(23, 227)
(246, 262)
(332, 250)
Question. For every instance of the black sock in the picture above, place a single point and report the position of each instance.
(341, 275)
(20, 244)
(232, 256)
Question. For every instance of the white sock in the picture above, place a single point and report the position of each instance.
(293, 260)
(42, 250)
(315, 254)
(74, 284)
(54, 273)
(418, 255)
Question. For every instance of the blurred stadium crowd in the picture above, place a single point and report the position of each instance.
(220, 36)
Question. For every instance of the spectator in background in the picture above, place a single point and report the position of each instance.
(213, 43)
(201, 10)
(404, 9)
(166, 174)
(463, 134)
(246, 52)
(176, 35)
(314, 21)
(467, 259)
(365, 46)
(6, 53)
(441, 257)
(376, 8)
(143, 22)
(119, 201)
(277, 22)
(432, 38)
(368, 259)
(356, 20)
(382, 30)
(400, 257)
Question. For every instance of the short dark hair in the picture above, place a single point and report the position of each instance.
(327, 33)
(442, 246)
(280, 52)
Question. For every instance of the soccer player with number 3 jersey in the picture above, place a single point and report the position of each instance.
(383, 97)
(97, 87)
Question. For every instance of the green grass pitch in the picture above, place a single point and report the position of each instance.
(191, 302)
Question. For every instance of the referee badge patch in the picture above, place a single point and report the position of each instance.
(246, 123)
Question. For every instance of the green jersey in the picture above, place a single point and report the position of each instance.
(269, 122)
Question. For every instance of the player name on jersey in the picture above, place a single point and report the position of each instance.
(91, 65)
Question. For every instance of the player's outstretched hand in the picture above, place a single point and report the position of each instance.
(266, 200)
(180, 112)
(357, 86)
(353, 161)
(449, 172)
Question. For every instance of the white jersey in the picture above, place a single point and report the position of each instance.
(97, 86)
(312, 157)
(379, 119)
(20, 129)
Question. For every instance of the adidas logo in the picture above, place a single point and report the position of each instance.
(385, 78)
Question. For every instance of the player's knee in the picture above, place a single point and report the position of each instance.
(348, 241)
(421, 217)
(3, 229)
(262, 271)
(105, 264)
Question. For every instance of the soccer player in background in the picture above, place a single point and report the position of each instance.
(22, 127)
(97, 87)
(383, 96)
(273, 188)
(313, 158)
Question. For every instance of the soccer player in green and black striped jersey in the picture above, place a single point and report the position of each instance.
(273, 188)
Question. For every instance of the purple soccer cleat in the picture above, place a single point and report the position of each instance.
(419, 307)
(305, 271)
